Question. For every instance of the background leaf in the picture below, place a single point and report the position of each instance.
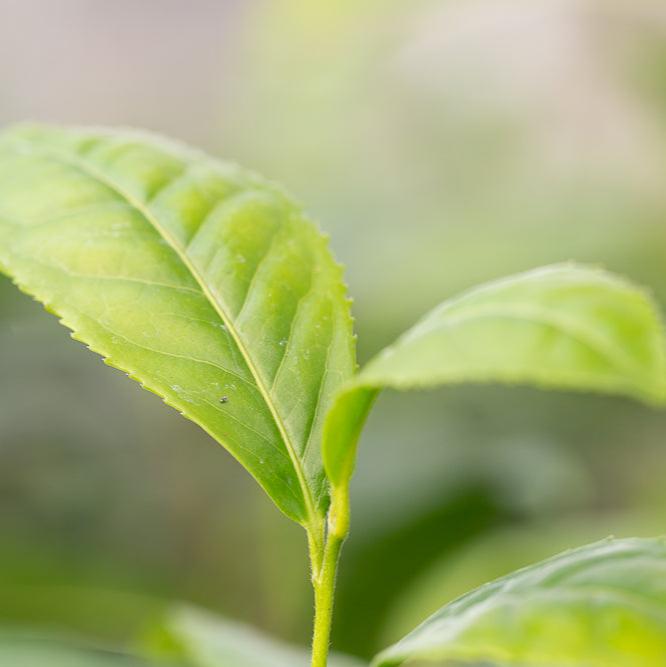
(603, 605)
(563, 326)
(26, 651)
(206, 640)
(201, 281)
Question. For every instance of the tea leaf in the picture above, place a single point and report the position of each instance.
(205, 640)
(603, 605)
(201, 281)
(563, 326)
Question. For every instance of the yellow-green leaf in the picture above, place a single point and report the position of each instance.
(200, 280)
(563, 326)
(603, 605)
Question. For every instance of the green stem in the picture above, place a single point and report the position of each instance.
(324, 572)
(324, 593)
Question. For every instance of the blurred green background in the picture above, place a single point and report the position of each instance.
(440, 144)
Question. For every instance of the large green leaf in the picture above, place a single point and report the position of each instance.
(200, 280)
(562, 326)
(513, 547)
(603, 605)
(205, 640)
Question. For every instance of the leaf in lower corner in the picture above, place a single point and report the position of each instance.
(603, 605)
(201, 281)
(31, 651)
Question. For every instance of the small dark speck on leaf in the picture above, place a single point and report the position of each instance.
(224, 399)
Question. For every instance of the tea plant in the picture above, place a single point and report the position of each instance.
(211, 288)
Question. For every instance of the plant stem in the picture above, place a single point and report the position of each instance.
(323, 582)
(325, 547)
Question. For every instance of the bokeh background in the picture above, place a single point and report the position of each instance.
(440, 143)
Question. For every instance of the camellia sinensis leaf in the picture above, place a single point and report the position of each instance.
(200, 280)
(603, 605)
(563, 326)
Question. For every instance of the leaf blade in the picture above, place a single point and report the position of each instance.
(602, 604)
(563, 326)
(223, 271)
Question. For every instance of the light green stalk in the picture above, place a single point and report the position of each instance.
(324, 571)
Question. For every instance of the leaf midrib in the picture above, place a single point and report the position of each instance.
(220, 308)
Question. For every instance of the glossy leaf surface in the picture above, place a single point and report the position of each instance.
(202, 639)
(563, 326)
(603, 605)
(201, 281)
